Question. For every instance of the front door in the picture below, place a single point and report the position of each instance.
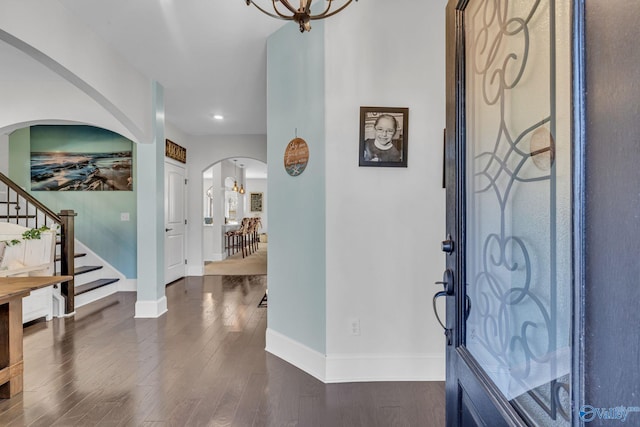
(175, 222)
(509, 213)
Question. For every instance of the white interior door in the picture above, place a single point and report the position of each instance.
(175, 217)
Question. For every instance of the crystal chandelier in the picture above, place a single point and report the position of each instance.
(301, 15)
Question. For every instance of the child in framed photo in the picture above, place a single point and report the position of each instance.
(383, 136)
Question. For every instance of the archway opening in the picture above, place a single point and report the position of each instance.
(234, 190)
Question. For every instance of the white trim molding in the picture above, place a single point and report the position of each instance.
(342, 368)
(151, 309)
(299, 355)
(384, 367)
(127, 285)
(195, 270)
(96, 294)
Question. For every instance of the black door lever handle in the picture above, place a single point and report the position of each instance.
(435, 309)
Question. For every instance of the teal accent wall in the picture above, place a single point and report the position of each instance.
(98, 223)
(296, 265)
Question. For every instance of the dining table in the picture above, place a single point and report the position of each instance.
(12, 290)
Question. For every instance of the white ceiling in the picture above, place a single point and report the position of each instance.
(254, 169)
(210, 56)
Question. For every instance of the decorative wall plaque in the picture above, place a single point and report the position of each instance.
(296, 156)
(175, 151)
(256, 202)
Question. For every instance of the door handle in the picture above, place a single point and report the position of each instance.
(449, 290)
(435, 308)
(168, 229)
(467, 307)
(447, 332)
(447, 281)
(448, 285)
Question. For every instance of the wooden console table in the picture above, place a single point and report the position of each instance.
(12, 290)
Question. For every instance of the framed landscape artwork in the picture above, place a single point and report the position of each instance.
(80, 158)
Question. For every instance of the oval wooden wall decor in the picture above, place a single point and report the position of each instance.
(296, 156)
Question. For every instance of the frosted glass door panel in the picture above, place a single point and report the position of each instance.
(518, 189)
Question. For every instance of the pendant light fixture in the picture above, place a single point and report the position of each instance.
(301, 15)
(241, 191)
(235, 175)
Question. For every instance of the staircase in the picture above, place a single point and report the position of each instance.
(94, 278)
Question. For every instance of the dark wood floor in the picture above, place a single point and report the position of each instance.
(202, 363)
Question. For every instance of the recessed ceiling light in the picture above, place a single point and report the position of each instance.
(218, 117)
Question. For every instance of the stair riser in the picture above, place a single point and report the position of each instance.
(81, 279)
(96, 294)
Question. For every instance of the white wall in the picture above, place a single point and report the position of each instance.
(4, 153)
(202, 152)
(71, 50)
(258, 186)
(231, 170)
(58, 70)
(384, 225)
(208, 231)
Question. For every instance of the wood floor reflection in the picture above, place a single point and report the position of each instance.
(202, 363)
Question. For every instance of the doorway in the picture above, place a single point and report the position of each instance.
(175, 221)
(231, 188)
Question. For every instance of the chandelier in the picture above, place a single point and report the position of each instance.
(301, 15)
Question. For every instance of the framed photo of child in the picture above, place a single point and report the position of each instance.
(383, 136)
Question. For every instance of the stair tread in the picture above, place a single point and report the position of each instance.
(17, 216)
(87, 287)
(76, 255)
(86, 269)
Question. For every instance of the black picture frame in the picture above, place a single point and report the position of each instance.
(256, 202)
(372, 142)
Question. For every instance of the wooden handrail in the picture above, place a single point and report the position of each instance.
(65, 221)
(29, 198)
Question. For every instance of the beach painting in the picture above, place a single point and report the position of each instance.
(72, 168)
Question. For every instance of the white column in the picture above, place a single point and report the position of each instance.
(151, 301)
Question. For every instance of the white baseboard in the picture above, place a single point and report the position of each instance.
(195, 270)
(217, 257)
(151, 309)
(127, 285)
(385, 367)
(296, 353)
(342, 368)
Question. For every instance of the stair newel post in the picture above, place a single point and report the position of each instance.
(67, 258)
